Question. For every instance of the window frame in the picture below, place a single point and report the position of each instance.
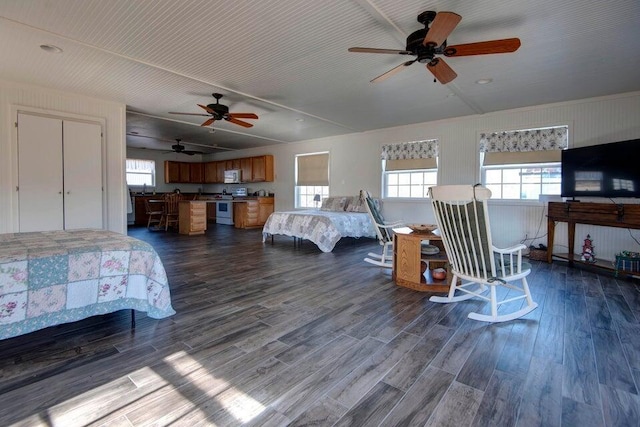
(302, 196)
(424, 187)
(153, 175)
(513, 166)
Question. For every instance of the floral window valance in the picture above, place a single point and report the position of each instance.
(554, 138)
(410, 150)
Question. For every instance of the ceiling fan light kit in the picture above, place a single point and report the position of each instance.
(219, 111)
(425, 44)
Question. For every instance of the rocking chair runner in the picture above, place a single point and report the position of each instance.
(384, 233)
(462, 216)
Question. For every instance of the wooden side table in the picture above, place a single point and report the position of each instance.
(408, 258)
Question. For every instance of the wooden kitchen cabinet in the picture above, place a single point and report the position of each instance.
(196, 172)
(247, 169)
(265, 208)
(262, 168)
(220, 168)
(252, 213)
(171, 171)
(141, 217)
(185, 172)
(192, 217)
(210, 172)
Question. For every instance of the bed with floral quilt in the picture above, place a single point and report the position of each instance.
(54, 277)
(338, 217)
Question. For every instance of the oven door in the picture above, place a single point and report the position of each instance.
(224, 213)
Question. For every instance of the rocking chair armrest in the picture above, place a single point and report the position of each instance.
(509, 250)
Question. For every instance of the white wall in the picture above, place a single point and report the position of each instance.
(14, 95)
(355, 163)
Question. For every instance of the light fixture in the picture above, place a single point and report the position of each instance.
(316, 199)
(50, 48)
(484, 81)
(300, 120)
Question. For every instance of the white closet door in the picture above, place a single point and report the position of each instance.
(82, 149)
(40, 184)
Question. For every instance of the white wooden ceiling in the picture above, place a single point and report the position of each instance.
(287, 61)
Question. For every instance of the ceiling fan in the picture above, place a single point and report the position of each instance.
(427, 43)
(180, 149)
(219, 111)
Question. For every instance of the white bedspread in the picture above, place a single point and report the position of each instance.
(324, 228)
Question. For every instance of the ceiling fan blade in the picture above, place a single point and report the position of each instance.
(483, 48)
(243, 115)
(189, 114)
(191, 152)
(373, 50)
(441, 70)
(239, 122)
(208, 122)
(207, 109)
(442, 25)
(392, 71)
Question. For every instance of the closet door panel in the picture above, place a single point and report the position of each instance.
(82, 148)
(40, 179)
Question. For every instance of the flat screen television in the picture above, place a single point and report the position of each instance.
(605, 170)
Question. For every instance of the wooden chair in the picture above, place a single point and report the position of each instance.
(155, 212)
(170, 215)
(462, 216)
(384, 233)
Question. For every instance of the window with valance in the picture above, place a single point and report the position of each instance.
(522, 164)
(409, 168)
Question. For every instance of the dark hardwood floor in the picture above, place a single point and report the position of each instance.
(284, 335)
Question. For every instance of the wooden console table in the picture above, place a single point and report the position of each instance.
(604, 214)
(407, 261)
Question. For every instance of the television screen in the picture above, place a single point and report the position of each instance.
(605, 170)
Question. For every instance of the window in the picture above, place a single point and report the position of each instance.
(523, 164)
(141, 173)
(312, 179)
(409, 169)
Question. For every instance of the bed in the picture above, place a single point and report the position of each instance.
(337, 218)
(54, 277)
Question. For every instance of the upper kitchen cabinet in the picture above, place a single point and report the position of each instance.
(196, 173)
(183, 172)
(262, 168)
(210, 172)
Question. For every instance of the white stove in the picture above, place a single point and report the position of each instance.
(224, 210)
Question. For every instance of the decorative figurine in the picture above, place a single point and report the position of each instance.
(587, 251)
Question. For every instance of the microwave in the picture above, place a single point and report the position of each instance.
(233, 176)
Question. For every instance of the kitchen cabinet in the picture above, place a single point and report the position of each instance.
(60, 175)
(192, 217)
(262, 168)
(220, 168)
(253, 212)
(183, 172)
(210, 172)
(141, 217)
(247, 169)
(196, 173)
(171, 171)
(265, 208)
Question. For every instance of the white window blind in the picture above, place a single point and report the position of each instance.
(313, 169)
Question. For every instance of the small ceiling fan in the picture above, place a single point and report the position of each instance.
(180, 149)
(430, 41)
(219, 111)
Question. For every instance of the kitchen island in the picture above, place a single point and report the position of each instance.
(248, 212)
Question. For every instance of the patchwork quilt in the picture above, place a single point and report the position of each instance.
(324, 228)
(54, 277)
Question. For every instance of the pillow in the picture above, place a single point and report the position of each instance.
(356, 204)
(334, 204)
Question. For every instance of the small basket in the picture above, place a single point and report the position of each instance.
(537, 254)
(627, 262)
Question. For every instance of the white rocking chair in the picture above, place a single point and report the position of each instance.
(462, 216)
(384, 233)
